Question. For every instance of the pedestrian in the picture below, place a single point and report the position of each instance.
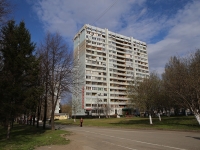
(81, 122)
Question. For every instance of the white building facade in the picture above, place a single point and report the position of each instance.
(105, 63)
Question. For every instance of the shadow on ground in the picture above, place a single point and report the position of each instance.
(19, 134)
(198, 138)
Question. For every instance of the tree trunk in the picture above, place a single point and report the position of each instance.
(150, 119)
(74, 114)
(24, 121)
(45, 114)
(12, 123)
(38, 115)
(74, 117)
(52, 119)
(8, 130)
(30, 120)
(52, 123)
(159, 116)
(45, 109)
(197, 115)
(34, 120)
(186, 113)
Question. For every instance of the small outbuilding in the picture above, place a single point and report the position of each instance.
(61, 116)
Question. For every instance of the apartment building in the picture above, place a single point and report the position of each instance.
(105, 63)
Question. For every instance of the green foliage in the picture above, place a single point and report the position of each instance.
(28, 137)
(19, 72)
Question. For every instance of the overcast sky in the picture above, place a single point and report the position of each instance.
(169, 27)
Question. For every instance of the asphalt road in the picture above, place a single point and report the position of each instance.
(93, 138)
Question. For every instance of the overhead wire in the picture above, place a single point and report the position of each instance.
(105, 11)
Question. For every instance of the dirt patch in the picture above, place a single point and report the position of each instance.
(73, 145)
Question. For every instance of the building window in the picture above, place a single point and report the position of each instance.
(88, 88)
(94, 105)
(88, 77)
(88, 105)
(100, 89)
(88, 93)
(94, 88)
(88, 71)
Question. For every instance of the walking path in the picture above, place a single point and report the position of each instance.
(94, 138)
(73, 145)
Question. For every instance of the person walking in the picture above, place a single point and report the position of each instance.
(81, 122)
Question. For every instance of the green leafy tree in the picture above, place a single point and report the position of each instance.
(18, 74)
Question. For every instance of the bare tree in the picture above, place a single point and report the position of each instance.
(43, 52)
(98, 108)
(5, 10)
(182, 82)
(77, 88)
(67, 108)
(58, 69)
(76, 104)
(144, 93)
(107, 109)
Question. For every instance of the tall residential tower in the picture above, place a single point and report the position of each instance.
(105, 63)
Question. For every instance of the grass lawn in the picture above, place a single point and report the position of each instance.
(181, 123)
(24, 137)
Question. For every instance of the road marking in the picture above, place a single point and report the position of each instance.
(119, 145)
(133, 140)
(126, 131)
(147, 131)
